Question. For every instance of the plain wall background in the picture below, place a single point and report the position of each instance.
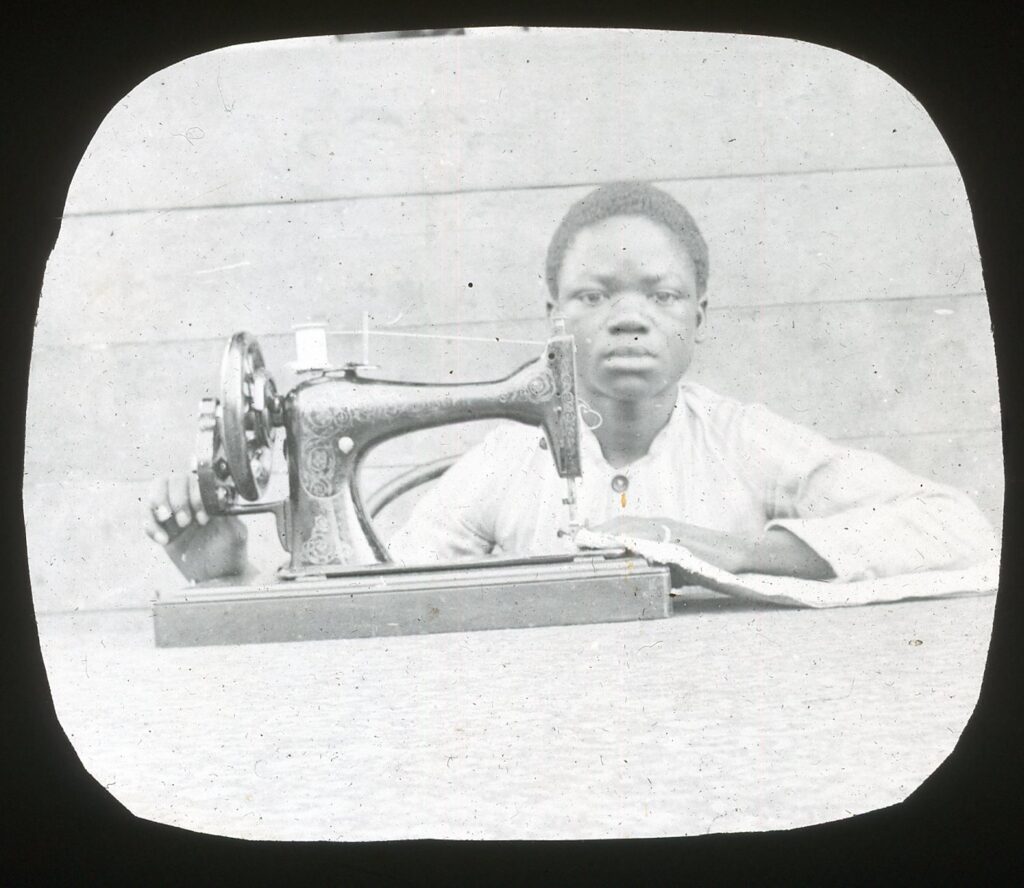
(262, 186)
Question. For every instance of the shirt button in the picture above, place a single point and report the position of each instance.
(620, 483)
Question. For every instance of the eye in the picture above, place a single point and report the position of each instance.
(667, 297)
(590, 297)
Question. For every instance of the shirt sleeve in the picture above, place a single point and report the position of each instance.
(860, 512)
(455, 518)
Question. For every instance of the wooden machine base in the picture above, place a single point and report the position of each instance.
(553, 591)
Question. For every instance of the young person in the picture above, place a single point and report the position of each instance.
(743, 489)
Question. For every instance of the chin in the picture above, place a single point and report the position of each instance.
(633, 388)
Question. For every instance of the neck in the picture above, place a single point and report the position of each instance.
(629, 427)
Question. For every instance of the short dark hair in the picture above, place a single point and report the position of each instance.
(627, 199)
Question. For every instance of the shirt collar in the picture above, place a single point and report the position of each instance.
(590, 447)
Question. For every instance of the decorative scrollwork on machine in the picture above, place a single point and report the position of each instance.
(317, 467)
(538, 389)
(324, 546)
(319, 547)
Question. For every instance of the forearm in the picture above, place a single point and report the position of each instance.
(870, 518)
(775, 551)
(928, 532)
(778, 552)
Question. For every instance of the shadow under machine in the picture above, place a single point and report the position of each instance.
(339, 580)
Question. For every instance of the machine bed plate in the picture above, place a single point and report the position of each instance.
(370, 603)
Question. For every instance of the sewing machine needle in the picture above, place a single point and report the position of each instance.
(570, 501)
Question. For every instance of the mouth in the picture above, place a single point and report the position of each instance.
(629, 356)
(629, 351)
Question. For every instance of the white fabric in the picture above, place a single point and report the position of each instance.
(975, 580)
(717, 464)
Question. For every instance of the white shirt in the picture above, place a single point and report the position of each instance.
(717, 463)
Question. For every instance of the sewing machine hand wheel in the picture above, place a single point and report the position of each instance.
(247, 404)
(236, 434)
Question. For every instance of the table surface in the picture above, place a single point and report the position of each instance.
(725, 717)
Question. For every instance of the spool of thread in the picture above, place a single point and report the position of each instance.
(310, 347)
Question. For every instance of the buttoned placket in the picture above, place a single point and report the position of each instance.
(618, 481)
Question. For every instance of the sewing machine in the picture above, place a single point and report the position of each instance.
(339, 580)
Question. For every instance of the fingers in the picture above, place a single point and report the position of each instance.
(158, 513)
(174, 502)
(158, 499)
(179, 500)
(153, 530)
(655, 529)
(623, 524)
(612, 525)
(196, 499)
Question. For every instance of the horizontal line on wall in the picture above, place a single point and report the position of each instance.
(88, 611)
(82, 481)
(501, 189)
(950, 432)
(732, 307)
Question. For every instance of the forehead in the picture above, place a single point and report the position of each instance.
(624, 244)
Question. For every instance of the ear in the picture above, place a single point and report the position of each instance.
(702, 319)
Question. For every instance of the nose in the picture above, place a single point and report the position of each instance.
(629, 314)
